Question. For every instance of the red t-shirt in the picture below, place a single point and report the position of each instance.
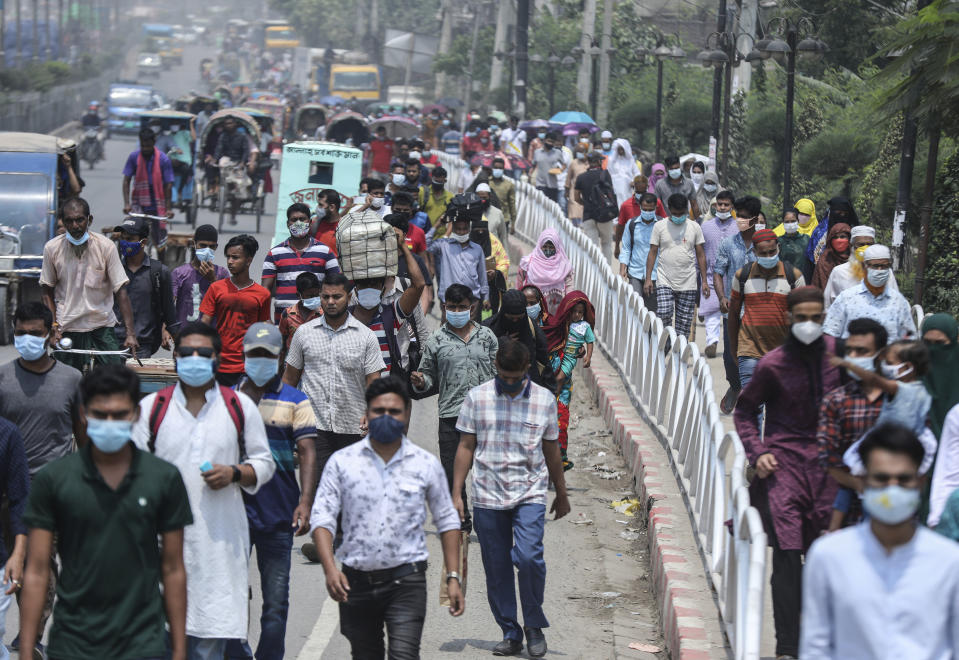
(630, 209)
(235, 311)
(416, 239)
(382, 154)
(326, 234)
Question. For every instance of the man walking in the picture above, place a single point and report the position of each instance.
(150, 290)
(151, 172)
(456, 358)
(888, 587)
(81, 278)
(674, 183)
(380, 486)
(107, 505)
(594, 191)
(793, 492)
(678, 243)
(300, 253)
(549, 163)
(509, 428)
(235, 303)
(505, 189)
(216, 439)
(14, 488)
(716, 228)
(635, 248)
(458, 260)
(190, 281)
(280, 508)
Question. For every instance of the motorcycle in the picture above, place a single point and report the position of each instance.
(91, 150)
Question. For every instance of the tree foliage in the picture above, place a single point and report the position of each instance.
(942, 285)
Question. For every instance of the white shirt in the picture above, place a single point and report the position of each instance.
(841, 278)
(335, 364)
(889, 308)
(216, 547)
(383, 504)
(945, 475)
(676, 262)
(862, 603)
(513, 141)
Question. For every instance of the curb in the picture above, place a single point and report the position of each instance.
(682, 593)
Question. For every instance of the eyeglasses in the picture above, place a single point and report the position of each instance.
(189, 351)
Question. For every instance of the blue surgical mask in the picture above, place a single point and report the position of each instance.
(195, 370)
(109, 435)
(647, 216)
(204, 254)
(710, 187)
(458, 319)
(399, 179)
(78, 241)
(320, 212)
(129, 248)
(541, 136)
(368, 298)
(868, 363)
(891, 505)
(533, 311)
(386, 429)
(877, 278)
(675, 174)
(498, 173)
(312, 303)
(680, 219)
(768, 262)
(30, 347)
(510, 388)
(260, 369)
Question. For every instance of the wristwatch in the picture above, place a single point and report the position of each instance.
(453, 575)
(237, 475)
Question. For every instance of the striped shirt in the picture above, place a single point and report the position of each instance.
(378, 327)
(288, 417)
(284, 263)
(763, 325)
(509, 467)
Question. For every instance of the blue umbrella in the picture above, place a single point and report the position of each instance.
(571, 117)
(332, 100)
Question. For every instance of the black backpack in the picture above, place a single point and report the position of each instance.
(601, 200)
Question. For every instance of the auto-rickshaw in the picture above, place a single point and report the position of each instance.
(29, 167)
(308, 118)
(222, 94)
(348, 127)
(195, 103)
(184, 162)
(216, 186)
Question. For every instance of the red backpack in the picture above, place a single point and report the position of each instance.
(162, 402)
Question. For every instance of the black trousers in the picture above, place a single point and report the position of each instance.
(786, 583)
(730, 363)
(328, 442)
(449, 439)
(400, 604)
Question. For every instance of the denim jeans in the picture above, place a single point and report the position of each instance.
(747, 365)
(508, 538)
(273, 552)
(400, 604)
(5, 601)
(202, 648)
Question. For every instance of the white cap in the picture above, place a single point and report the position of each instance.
(876, 252)
(483, 187)
(862, 230)
(606, 135)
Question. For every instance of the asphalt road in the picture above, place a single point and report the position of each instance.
(579, 549)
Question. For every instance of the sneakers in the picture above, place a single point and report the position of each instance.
(729, 401)
(535, 642)
(711, 351)
(508, 647)
(309, 551)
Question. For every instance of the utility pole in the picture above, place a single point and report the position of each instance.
(584, 79)
(522, 55)
(446, 40)
(504, 15)
(718, 85)
(606, 45)
(468, 97)
(748, 15)
(925, 215)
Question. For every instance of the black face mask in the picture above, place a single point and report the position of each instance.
(548, 147)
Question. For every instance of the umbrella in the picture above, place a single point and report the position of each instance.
(533, 124)
(498, 115)
(332, 100)
(574, 128)
(396, 127)
(450, 102)
(570, 117)
(439, 107)
(513, 162)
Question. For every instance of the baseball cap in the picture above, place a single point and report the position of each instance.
(135, 226)
(606, 135)
(263, 335)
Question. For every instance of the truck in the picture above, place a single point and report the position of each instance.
(125, 103)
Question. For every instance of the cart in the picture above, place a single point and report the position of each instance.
(348, 127)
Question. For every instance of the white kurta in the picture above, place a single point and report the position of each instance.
(216, 547)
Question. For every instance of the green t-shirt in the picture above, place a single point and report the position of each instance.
(108, 595)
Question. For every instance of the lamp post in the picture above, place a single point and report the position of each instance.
(552, 60)
(511, 58)
(784, 51)
(661, 53)
(594, 51)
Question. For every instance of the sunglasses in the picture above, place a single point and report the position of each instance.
(189, 351)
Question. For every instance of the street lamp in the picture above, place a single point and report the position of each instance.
(785, 50)
(594, 51)
(511, 56)
(661, 53)
(552, 61)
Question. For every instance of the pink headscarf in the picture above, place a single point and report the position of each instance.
(549, 274)
(653, 177)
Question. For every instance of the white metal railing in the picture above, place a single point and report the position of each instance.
(673, 390)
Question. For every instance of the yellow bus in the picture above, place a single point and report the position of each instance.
(280, 36)
(361, 81)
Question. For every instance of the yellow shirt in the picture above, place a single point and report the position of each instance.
(500, 256)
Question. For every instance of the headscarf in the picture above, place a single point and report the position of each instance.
(704, 199)
(624, 166)
(655, 178)
(557, 329)
(818, 241)
(514, 302)
(549, 274)
(942, 380)
(479, 234)
(807, 207)
(829, 258)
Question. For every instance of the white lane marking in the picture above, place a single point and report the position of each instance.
(322, 631)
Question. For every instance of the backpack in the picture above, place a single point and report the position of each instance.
(162, 402)
(601, 200)
(787, 268)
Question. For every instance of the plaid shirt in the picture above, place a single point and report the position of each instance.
(509, 467)
(845, 415)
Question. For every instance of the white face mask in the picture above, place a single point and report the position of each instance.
(697, 178)
(807, 331)
(461, 238)
(724, 215)
(895, 371)
(877, 278)
(415, 155)
(760, 226)
(791, 227)
(377, 202)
